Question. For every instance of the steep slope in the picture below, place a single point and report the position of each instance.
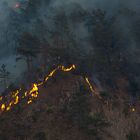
(64, 110)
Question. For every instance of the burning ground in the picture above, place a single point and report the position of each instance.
(66, 109)
(69, 70)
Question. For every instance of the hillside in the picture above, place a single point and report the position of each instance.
(67, 110)
(69, 70)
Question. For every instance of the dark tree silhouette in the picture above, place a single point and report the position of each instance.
(4, 75)
(28, 49)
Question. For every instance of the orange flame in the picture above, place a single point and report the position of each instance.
(91, 88)
(33, 92)
(2, 107)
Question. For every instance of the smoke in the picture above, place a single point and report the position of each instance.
(110, 5)
(7, 43)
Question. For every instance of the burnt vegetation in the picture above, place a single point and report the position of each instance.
(42, 37)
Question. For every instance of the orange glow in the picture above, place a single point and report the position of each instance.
(29, 102)
(8, 108)
(0, 98)
(17, 100)
(34, 91)
(3, 107)
(91, 88)
(68, 69)
(133, 109)
(50, 75)
(15, 94)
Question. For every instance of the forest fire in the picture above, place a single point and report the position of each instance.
(2, 107)
(69, 70)
(133, 109)
(33, 92)
(91, 88)
(30, 101)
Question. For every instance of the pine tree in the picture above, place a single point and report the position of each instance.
(28, 49)
(106, 41)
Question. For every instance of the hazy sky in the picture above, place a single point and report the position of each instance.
(98, 3)
(109, 5)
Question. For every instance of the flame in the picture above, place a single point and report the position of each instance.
(60, 67)
(91, 88)
(17, 100)
(2, 107)
(51, 74)
(0, 98)
(15, 94)
(9, 106)
(34, 89)
(29, 102)
(68, 69)
(133, 109)
(33, 92)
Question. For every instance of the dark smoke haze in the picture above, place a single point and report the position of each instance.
(7, 44)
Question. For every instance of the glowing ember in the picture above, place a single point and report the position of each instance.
(17, 100)
(30, 101)
(2, 107)
(17, 5)
(34, 91)
(91, 88)
(68, 69)
(0, 98)
(133, 109)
